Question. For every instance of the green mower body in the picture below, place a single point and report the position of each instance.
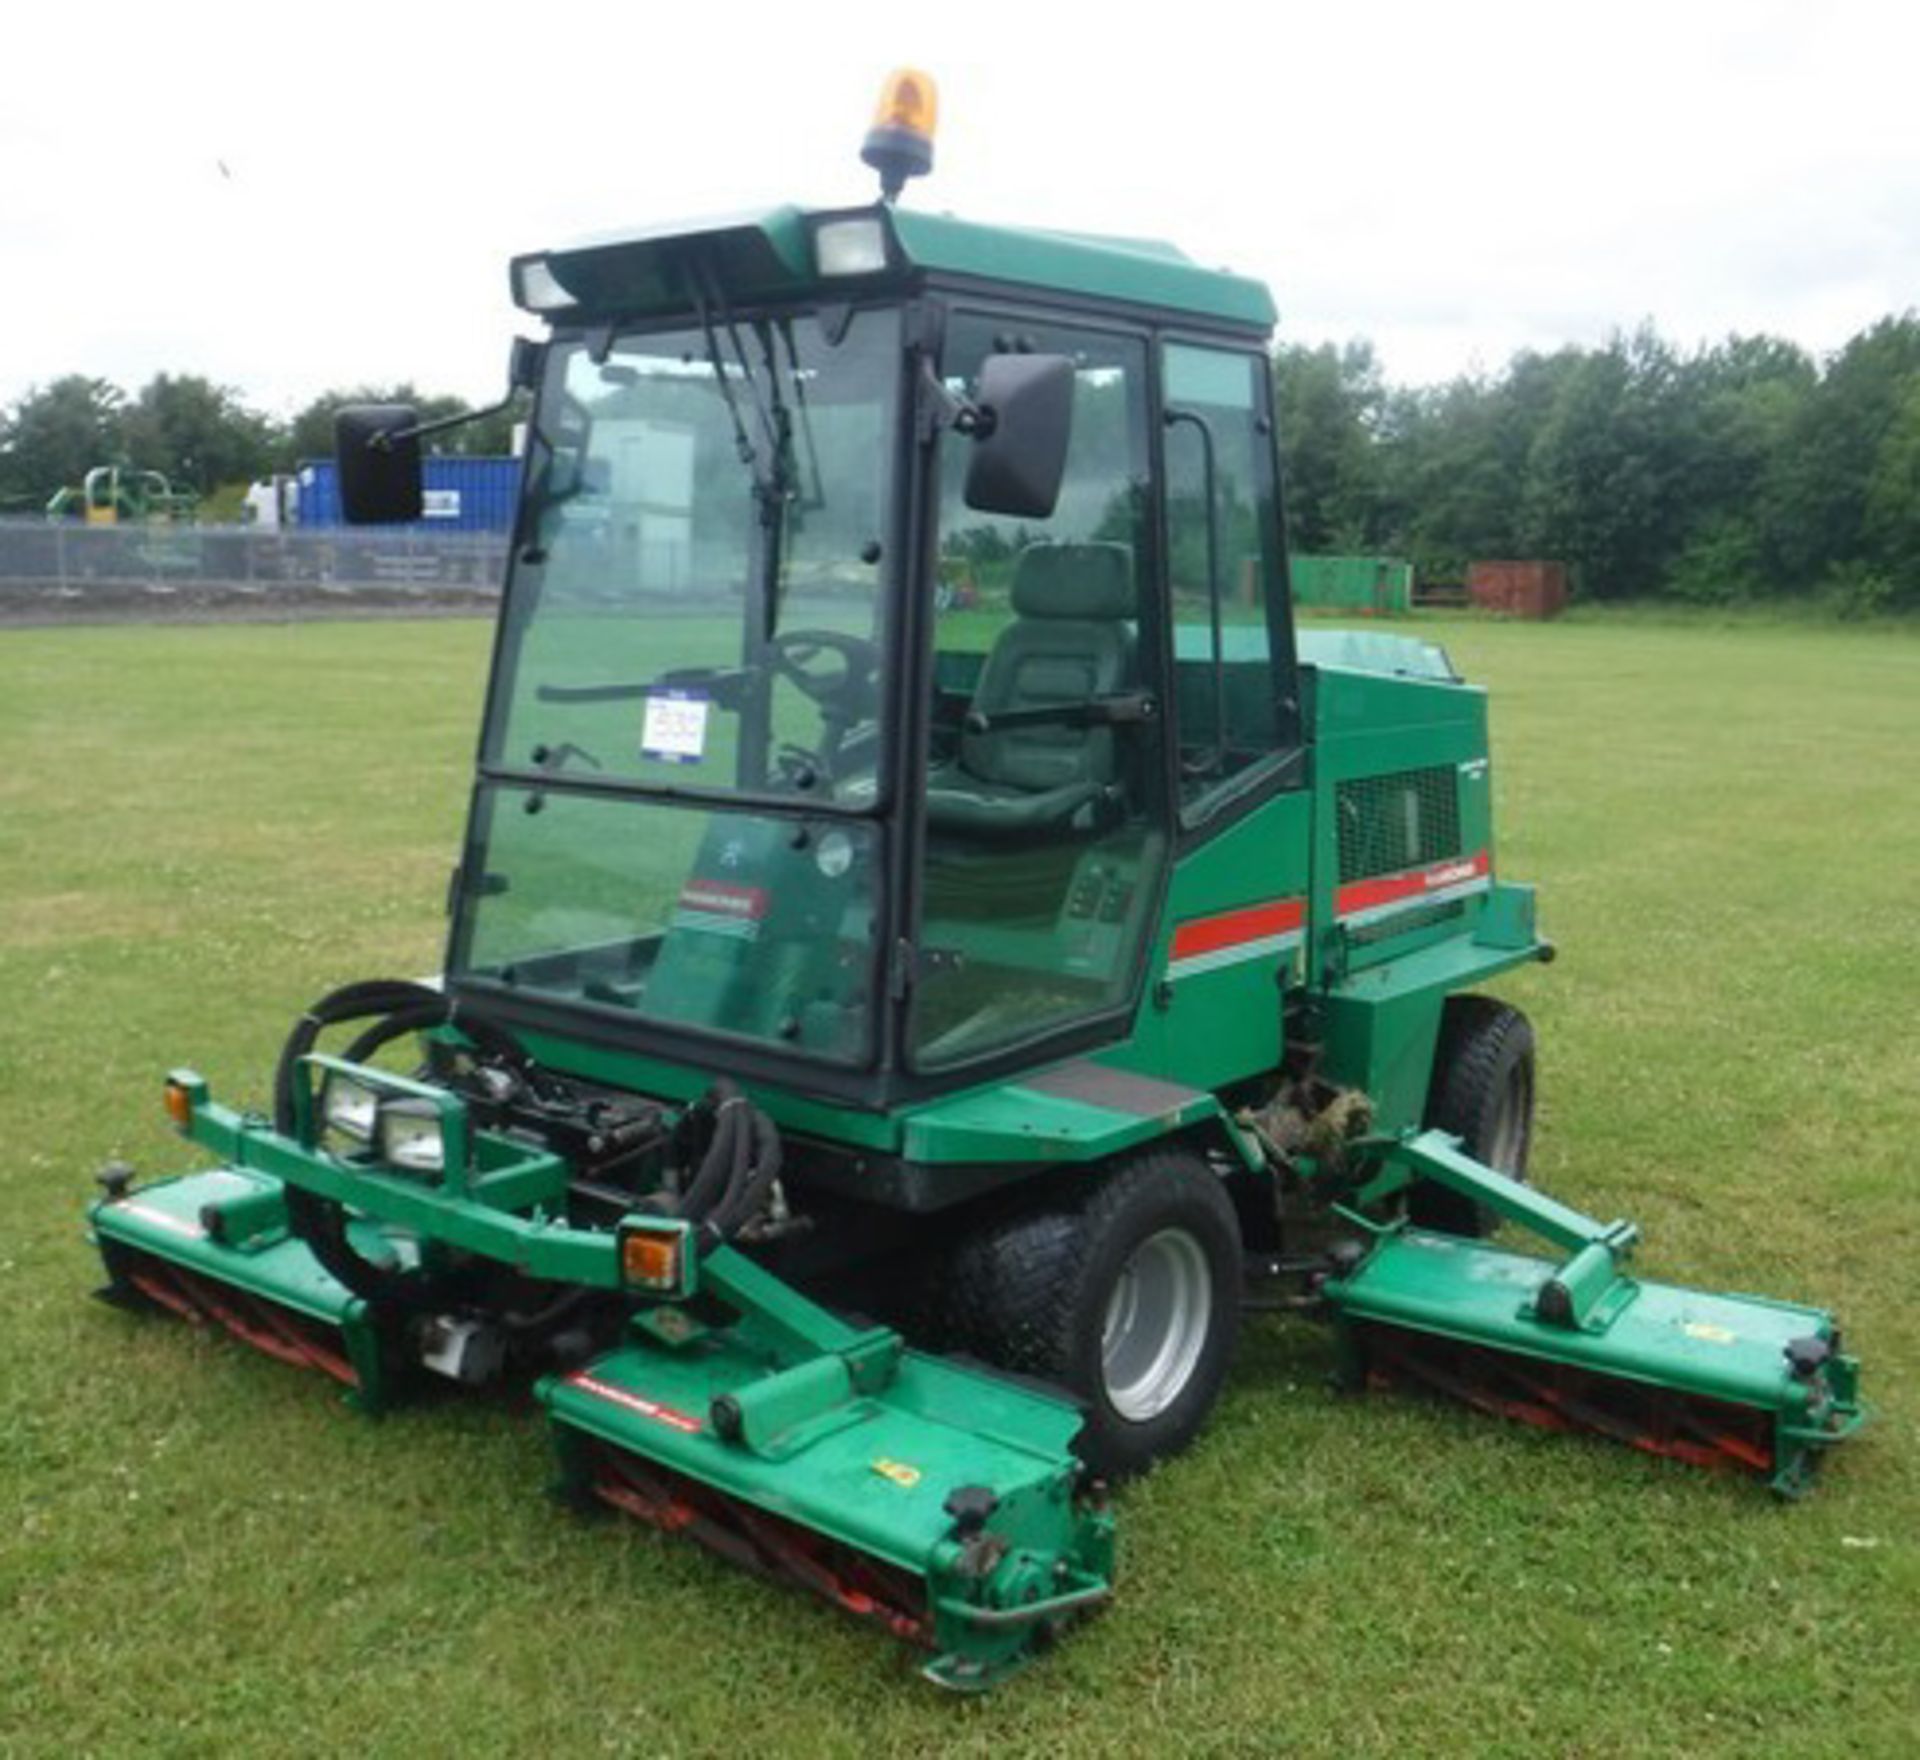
(929, 936)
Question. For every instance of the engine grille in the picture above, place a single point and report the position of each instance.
(1405, 922)
(1407, 819)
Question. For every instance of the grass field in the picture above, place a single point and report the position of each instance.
(201, 1552)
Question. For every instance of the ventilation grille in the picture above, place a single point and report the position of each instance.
(1406, 820)
(1405, 922)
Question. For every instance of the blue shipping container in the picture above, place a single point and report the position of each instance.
(462, 494)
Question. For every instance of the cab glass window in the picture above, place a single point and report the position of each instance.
(1232, 663)
(1045, 808)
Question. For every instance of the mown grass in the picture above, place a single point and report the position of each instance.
(201, 828)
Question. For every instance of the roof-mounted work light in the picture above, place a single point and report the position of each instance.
(900, 143)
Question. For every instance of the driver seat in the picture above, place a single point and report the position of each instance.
(1072, 639)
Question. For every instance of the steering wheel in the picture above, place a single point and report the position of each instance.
(846, 695)
(846, 691)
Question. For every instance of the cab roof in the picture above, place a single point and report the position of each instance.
(770, 254)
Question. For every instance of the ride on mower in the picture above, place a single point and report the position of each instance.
(932, 942)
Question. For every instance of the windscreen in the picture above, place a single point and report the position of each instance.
(685, 733)
(752, 925)
(697, 601)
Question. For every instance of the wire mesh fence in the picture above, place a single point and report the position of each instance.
(52, 569)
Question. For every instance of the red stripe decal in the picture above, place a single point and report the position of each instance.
(647, 1408)
(1233, 928)
(1366, 895)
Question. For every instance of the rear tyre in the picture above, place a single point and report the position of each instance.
(1482, 1092)
(1128, 1297)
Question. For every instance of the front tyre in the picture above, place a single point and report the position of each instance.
(1482, 1092)
(1129, 1297)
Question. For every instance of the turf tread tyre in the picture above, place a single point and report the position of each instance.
(1483, 1061)
(1029, 1293)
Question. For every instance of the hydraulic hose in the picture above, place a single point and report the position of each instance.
(397, 1006)
(719, 1165)
(737, 1172)
(378, 996)
(402, 1007)
(322, 1224)
(729, 1188)
(748, 1198)
(398, 1025)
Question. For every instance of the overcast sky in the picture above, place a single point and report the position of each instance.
(291, 197)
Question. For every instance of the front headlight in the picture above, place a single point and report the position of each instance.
(412, 1136)
(349, 1107)
(853, 246)
(536, 288)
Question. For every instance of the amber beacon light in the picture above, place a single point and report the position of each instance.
(899, 145)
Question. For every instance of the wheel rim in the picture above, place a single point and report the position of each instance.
(1156, 1324)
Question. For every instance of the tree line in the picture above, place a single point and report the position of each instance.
(1743, 470)
(203, 437)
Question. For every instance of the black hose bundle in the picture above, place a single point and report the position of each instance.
(736, 1174)
(730, 1188)
(396, 1006)
(401, 1006)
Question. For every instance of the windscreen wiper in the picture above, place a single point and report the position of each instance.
(773, 484)
(768, 484)
(810, 501)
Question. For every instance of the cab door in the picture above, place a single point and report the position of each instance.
(1232, 939)
(1047, 817)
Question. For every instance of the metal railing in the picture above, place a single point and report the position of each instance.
(51, 564)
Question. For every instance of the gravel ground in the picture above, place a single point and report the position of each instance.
(42, 604)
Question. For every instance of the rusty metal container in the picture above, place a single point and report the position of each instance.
(1518, 589)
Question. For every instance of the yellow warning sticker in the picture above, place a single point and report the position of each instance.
(1707, 1333)
(898, 1471)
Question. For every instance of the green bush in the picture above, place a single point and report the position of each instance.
(1857, 590)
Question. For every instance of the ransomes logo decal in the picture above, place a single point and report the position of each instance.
(1274, 929)
(719, 907)
(723, 900)
(684, 1422)
(1366, 901)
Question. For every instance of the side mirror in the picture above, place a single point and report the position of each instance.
(378, 455)
(525, 363)
(1022, 421)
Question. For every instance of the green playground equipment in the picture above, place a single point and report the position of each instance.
(112, 494)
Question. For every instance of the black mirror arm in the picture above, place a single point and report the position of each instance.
(384, 442)
(961, 414)
(523, 374)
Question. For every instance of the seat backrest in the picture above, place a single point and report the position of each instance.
(1071, 639)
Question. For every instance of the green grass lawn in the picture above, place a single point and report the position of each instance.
(201, 1551)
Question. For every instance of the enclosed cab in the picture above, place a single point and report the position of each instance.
(914, 870)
